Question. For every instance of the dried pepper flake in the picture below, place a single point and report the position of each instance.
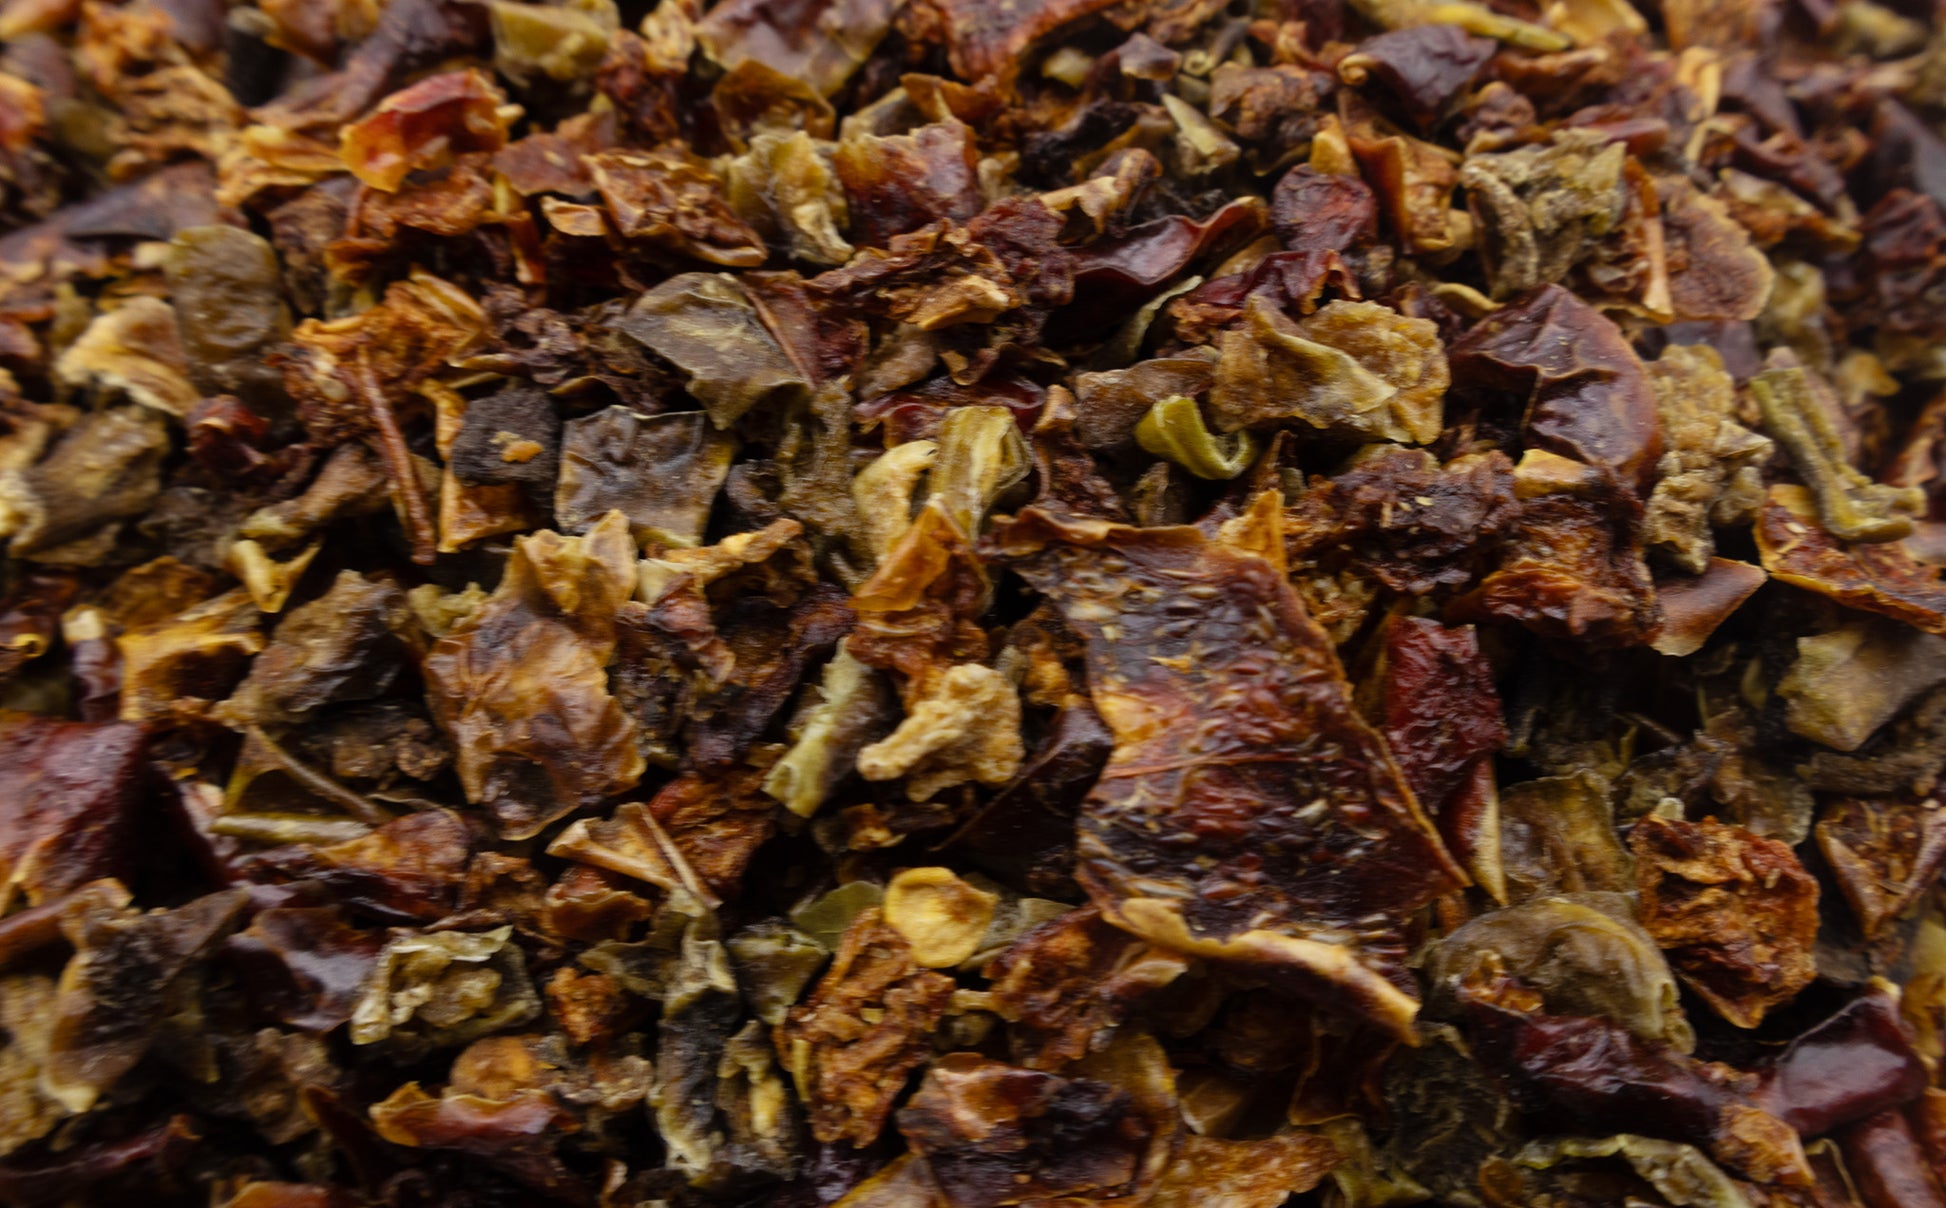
(972, 603)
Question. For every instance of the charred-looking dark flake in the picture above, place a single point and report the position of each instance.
(1247, 815)
(512, 437)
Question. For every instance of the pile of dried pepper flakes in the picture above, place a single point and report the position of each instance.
(964, 603)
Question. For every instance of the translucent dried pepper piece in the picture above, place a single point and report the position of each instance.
(1414, 182)
(1318, 211)
(942, 917)
(1736, 912)
(1586, 393)
(674, 202)
(852, 709)
(312, 964)
(227, 291)
(590, 906)
(346, 645)
(180, 667)
(1353, 368)
(437, 989)
(699, 1012)
(1112, 274)
(896, 184)
(786, 184)
(510, 438)
(1473, 18)
(412, 867)
(774, 963)
(1849, 681)
(562, 42)
(31, 619)
(516, 1136)
(821, 44)
(1199, 760)
(522, 686)
(1583, 953)
(1880, 577)
(133, 351)
(634, 844)
(754, 1103)
(1714, 271)
(915, 612)
(1693, 608)
(1558, 836)
(600, 456)
(104, 468)
(129, 974)
(989, 38)
(419, 126)
(981, 454)
(1676, 1170)
(1217, 1173)
(265, 1194)
(707, 327)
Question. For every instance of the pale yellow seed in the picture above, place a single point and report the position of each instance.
(941, 916)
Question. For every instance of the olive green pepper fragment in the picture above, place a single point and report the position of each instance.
(1852, 506)
(1174, 429)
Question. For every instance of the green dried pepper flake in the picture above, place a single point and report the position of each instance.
(825, 919)
(773, 965)
(559, 42)
(1851, 505)
(1174, 429)
(705, 325)
(1850, 681)
(851, 709)
(981, 454)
